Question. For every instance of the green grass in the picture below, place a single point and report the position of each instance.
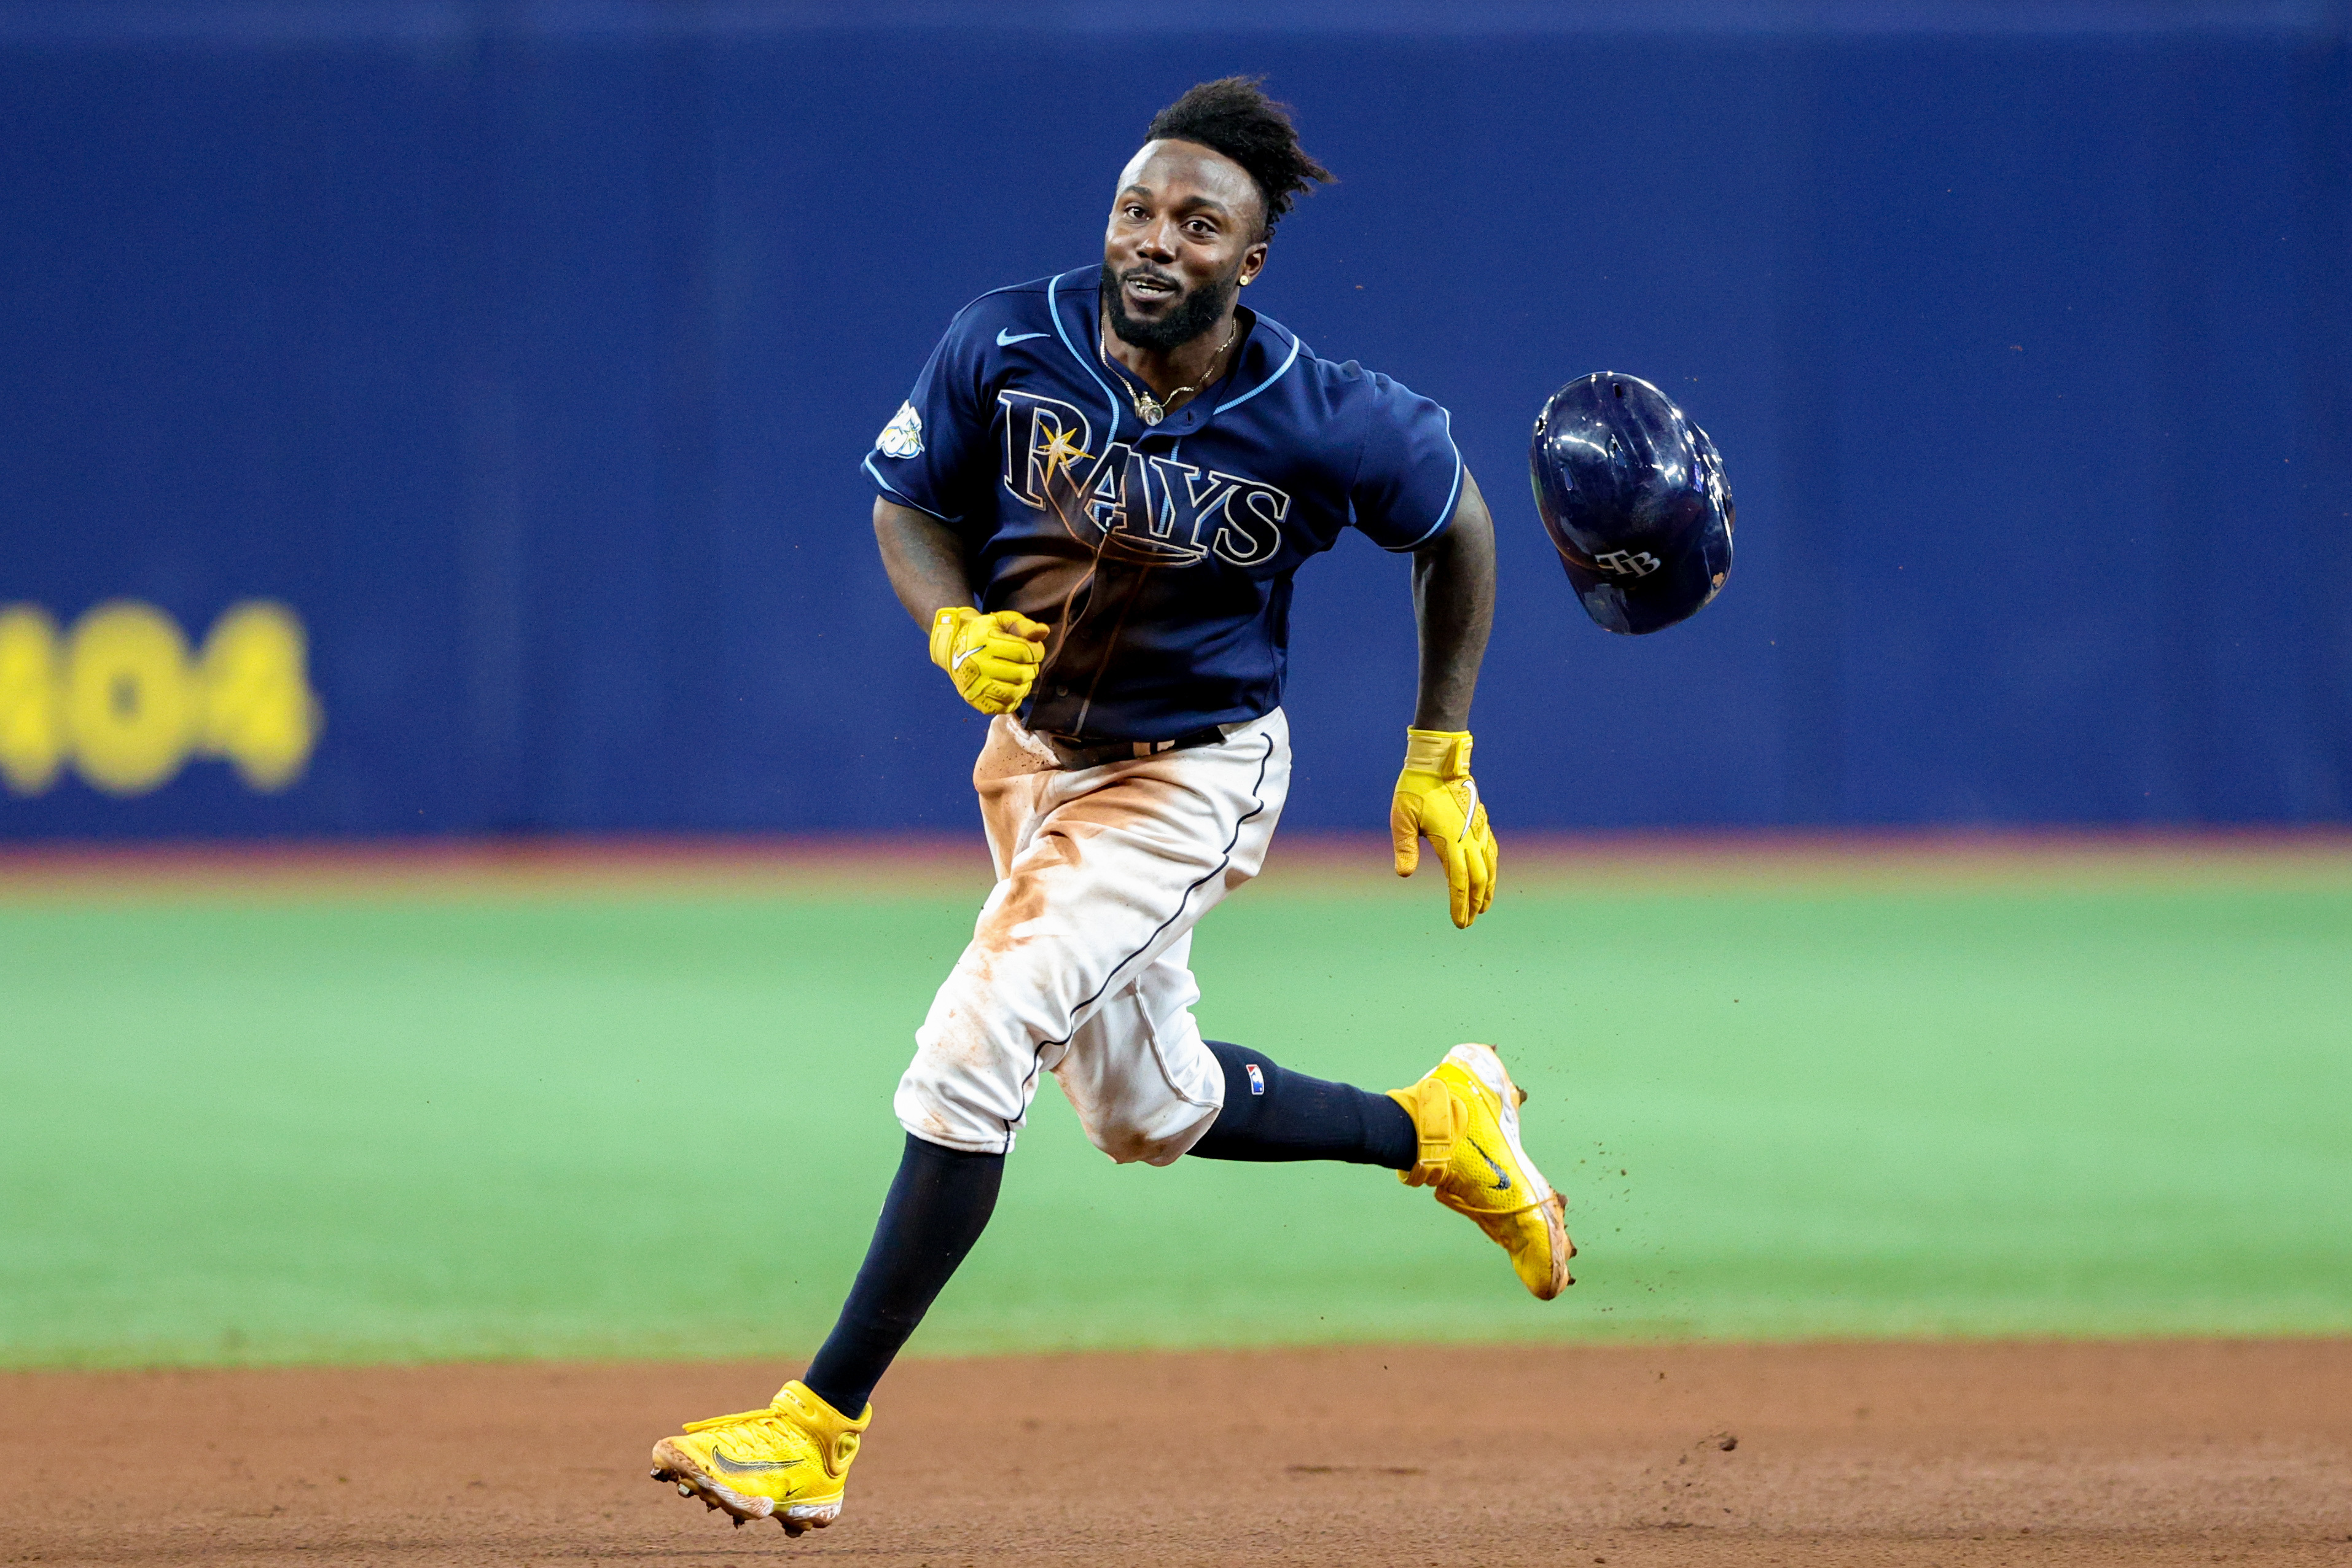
(322, 1127)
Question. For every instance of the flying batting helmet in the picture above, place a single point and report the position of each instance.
(1633, 495)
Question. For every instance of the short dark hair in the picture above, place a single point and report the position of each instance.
(1233, 116)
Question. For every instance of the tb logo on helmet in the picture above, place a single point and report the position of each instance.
(1628, 563)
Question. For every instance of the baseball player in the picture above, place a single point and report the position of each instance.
(1094, 501)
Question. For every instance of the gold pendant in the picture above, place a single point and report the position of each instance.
(1147, 408)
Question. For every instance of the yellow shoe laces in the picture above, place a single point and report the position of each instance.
(765, 1412)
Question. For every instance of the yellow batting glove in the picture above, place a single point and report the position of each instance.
(1437, 800)
(993, 659)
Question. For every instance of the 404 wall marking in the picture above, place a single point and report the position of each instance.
(122, 700)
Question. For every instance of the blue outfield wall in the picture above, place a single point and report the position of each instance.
(523, 356)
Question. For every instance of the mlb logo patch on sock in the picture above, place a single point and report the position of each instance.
(1258, 1078)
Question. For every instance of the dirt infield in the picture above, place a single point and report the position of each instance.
(1959, 1453)
(956, 863)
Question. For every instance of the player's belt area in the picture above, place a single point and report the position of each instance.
(1077, 751)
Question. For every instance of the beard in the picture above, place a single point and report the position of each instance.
(1193, 316)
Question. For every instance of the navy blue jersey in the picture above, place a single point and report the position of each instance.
(1161, 556)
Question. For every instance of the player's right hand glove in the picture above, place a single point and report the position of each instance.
(1437, 800)
(993, 659)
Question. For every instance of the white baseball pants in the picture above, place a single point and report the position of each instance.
(1078, 965)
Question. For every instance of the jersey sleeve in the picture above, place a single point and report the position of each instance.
(932, 455)
(1408, 474)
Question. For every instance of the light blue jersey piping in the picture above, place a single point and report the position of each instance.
(1445, 513)
(1269, 380)
(1111, 397)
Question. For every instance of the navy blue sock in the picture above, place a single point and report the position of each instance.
(1274, 1113)
(939, 1204)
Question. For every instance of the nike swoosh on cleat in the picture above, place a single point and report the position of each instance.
(1502, 1177)
(749, 1467)
(1006, 337)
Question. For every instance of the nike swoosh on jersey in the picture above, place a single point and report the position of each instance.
(1006, 337)
(748, 1466)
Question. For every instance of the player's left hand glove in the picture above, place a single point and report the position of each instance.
(1437, 800)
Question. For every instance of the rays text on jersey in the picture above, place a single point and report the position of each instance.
(1131, 505)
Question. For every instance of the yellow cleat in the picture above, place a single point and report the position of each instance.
(1466, 1112)
(789, 1462)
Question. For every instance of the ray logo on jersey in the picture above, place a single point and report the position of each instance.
(903, 437)
(1129, 504)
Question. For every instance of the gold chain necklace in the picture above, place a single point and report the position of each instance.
(1150, 409)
